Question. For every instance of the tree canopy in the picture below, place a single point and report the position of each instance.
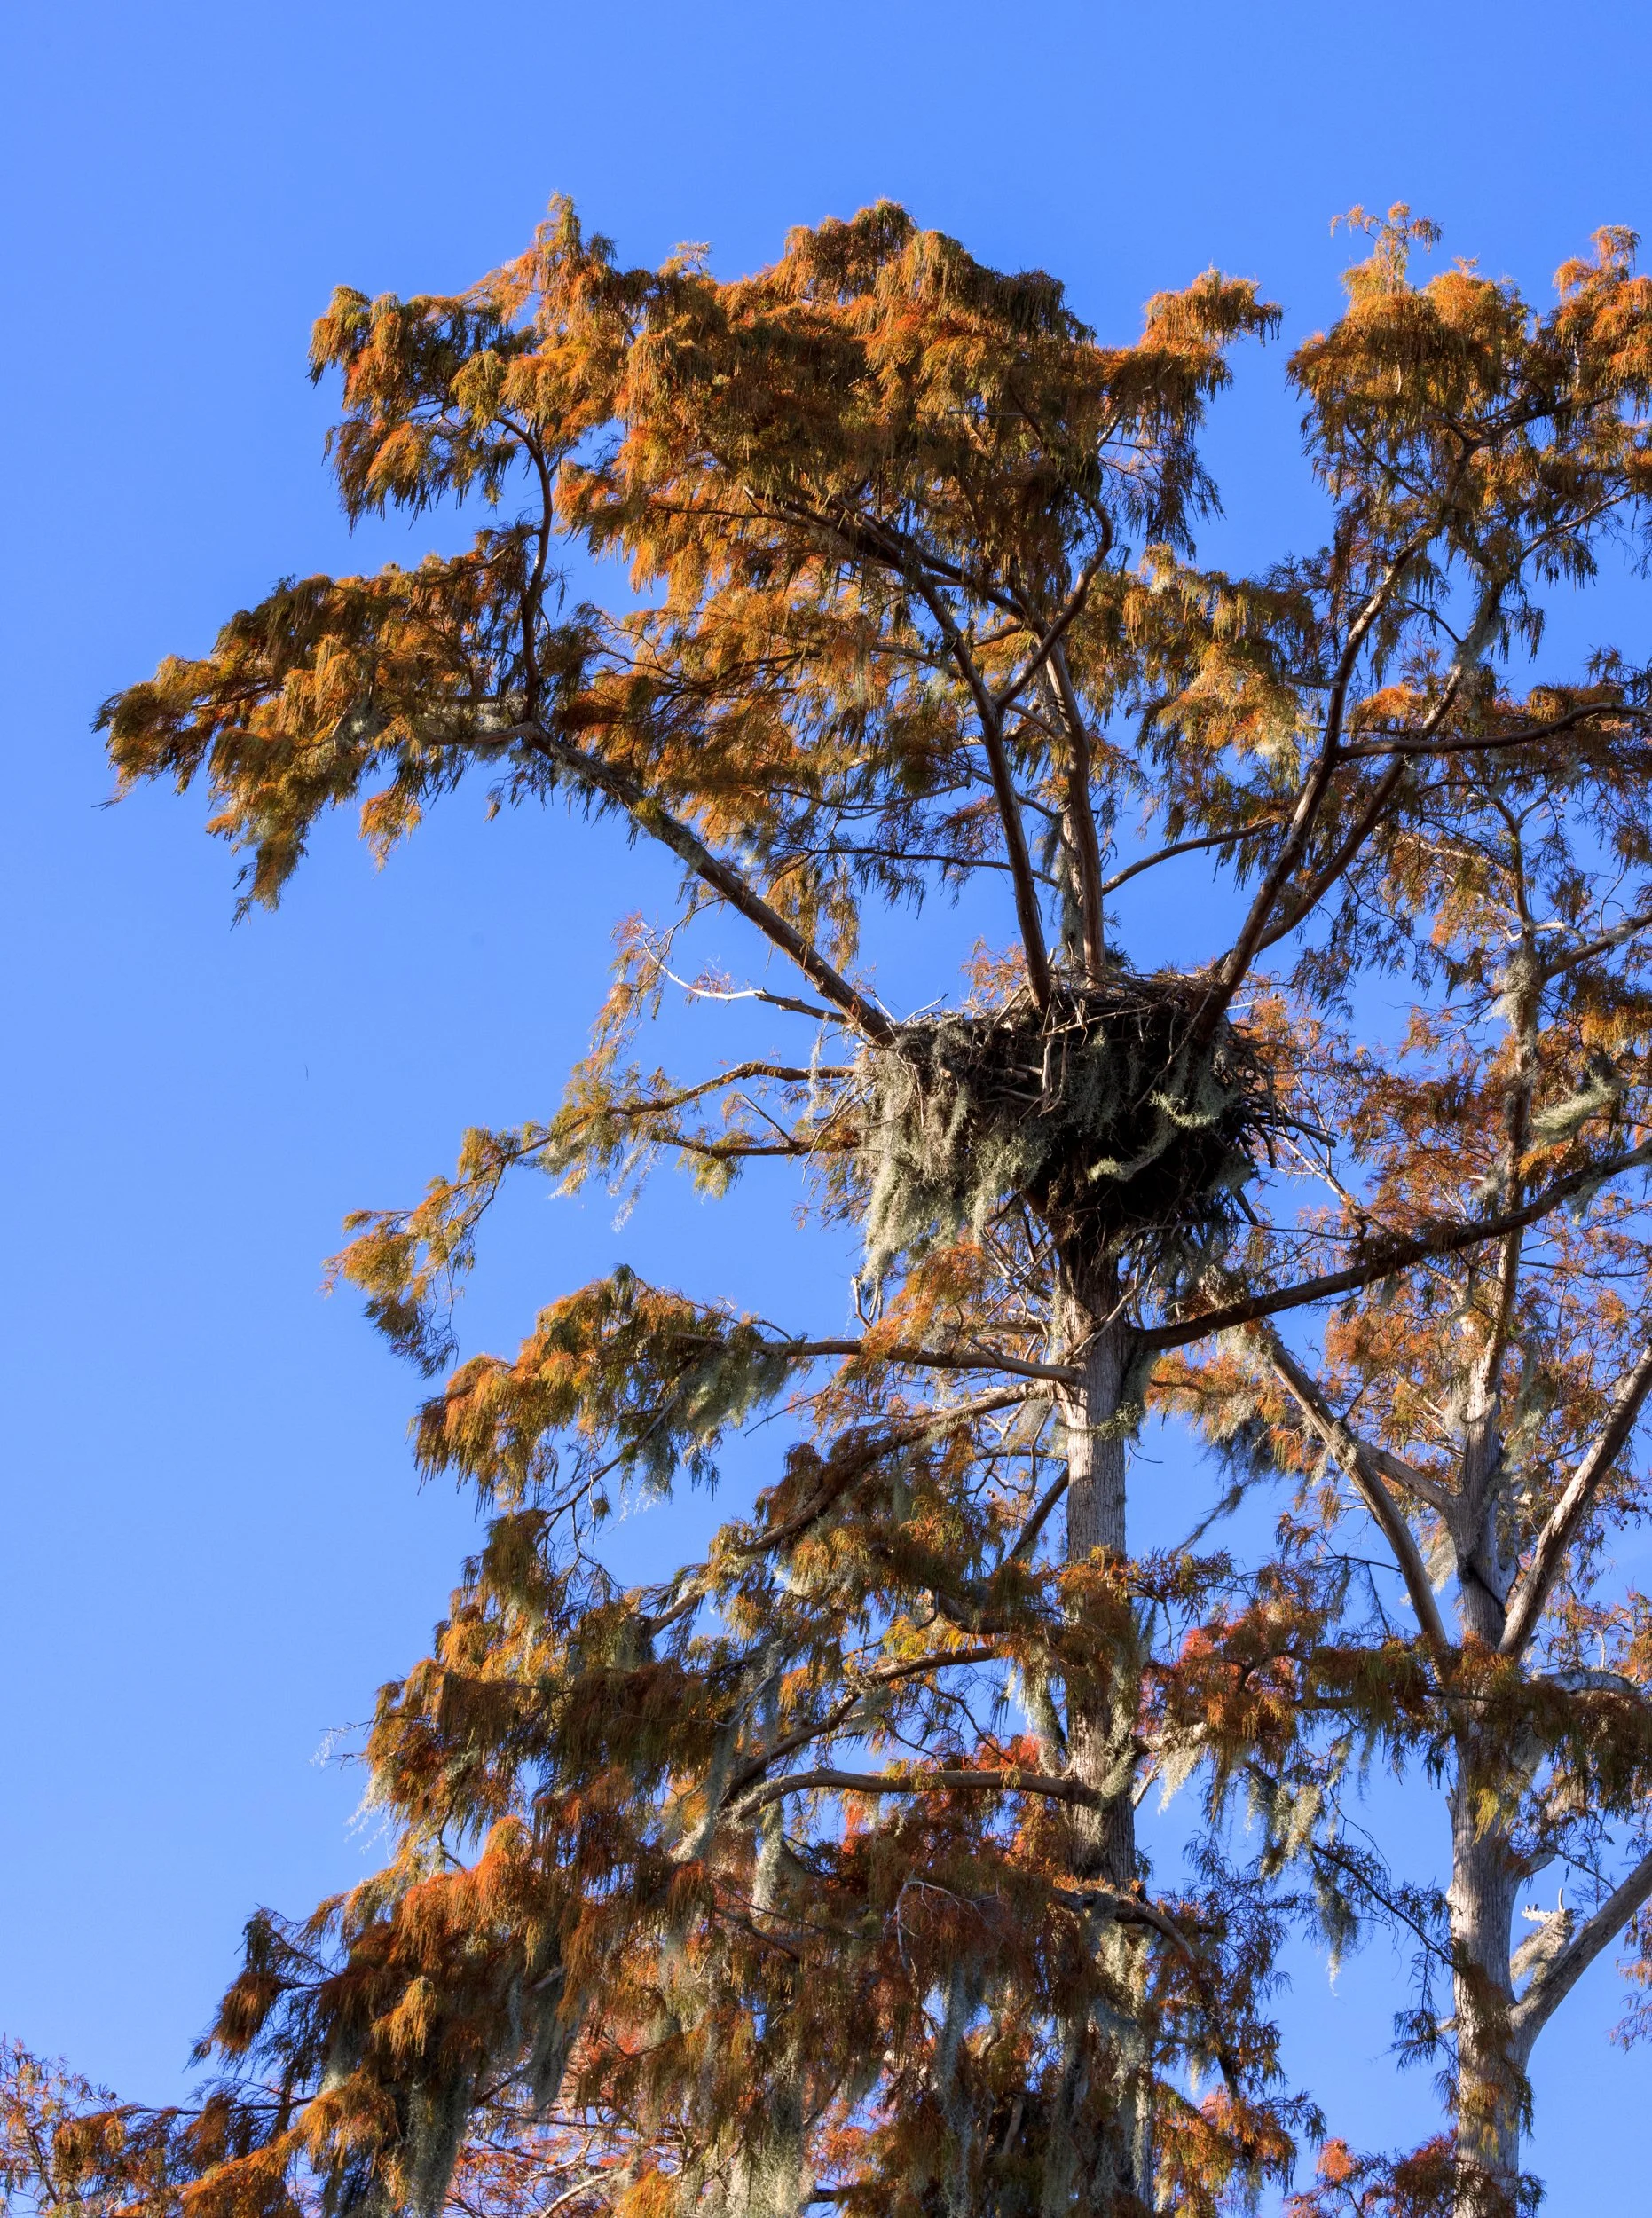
(810, 1874)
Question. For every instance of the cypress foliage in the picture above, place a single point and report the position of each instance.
(809, 1877)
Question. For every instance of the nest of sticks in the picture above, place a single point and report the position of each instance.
(1099, 1111)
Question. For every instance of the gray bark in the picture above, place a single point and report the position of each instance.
(1490, 2062)
(1101, 1726)
(1486, 1874)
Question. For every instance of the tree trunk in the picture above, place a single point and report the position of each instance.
(1101, 1726)
(1486, 1872)
(1112, 2172)
(1490, 2074)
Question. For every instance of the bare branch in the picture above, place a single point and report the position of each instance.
(749, 993)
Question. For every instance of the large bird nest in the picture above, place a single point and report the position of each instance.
(1098, 1110)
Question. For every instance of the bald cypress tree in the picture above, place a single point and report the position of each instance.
(811, 1874)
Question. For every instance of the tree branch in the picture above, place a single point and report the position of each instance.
(1255, 934)
(843, 1712)
(749, 993)
(1555, 1980)
(943, 1358)
(1231, 969)
(1183, 848)
(1408, 1479)
(1011, 1781)
(1531, 1589)
(854, 1456)
(651, 817)
(1027, 1539)
(1346, 855)
(1426, 743)
(1603, 944)
(1082, 818)
(1447, 1237)
(1053, 637)
(788, 1074)
(1027, 911)
(1357, 1460)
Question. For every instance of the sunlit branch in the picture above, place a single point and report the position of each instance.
(908, 855)
(1052, 638)
(1082, 818)
(1603, 943)
(738, 1151)
(1553, 1981)
(784, 1074)
(749, 993)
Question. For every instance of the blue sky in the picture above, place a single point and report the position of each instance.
(214, 1546)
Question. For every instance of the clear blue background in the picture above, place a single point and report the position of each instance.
(213, 1545)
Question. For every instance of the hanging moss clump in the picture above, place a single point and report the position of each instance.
(1098, 1110)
